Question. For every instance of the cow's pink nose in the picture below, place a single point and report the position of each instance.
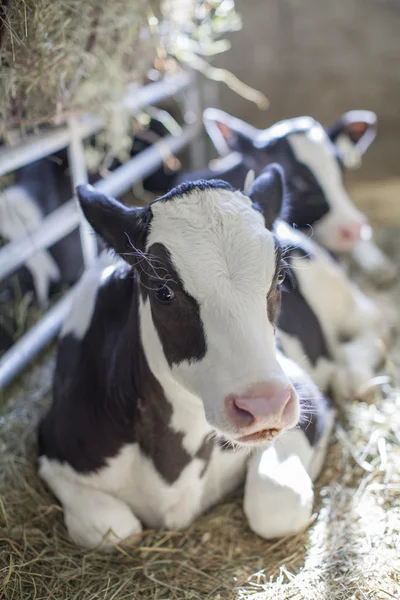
(263, 406)
(351, 232)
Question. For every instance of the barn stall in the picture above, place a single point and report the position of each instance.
(68, 70)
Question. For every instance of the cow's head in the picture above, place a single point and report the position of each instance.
(313, 159)
(209, 271)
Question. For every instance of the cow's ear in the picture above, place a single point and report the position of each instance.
(267, 193)
(352, 134)
(227, 133)
(123, 228)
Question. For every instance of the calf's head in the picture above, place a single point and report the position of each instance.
(313, 159)
(209, 270)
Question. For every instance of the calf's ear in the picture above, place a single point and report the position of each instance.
(122, 228)
(227, 133)
(267, 193)
(352, 134)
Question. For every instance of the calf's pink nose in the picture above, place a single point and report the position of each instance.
(263, 404)
(351, 233)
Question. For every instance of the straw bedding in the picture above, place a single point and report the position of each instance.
(350, 552)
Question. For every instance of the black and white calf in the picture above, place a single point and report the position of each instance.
(40, 188)
(168, 360)
(326, 323)
(313, 159)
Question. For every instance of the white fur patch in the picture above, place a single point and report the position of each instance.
(83, 304)
(282, 129)
(20, 214)
(248, 182)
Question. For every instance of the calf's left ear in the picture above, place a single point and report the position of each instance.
(267, 193)
(227, 133)
(123, 228)
(352, 134)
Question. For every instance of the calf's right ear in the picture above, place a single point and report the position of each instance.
(352, 134)
(122, 228)
(267, 193)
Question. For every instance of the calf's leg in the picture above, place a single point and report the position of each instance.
(96, 519)
(374, 263)
(358, 362)
(93, 518)
(279, 491)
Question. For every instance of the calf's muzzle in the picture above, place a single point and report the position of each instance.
(262, 411)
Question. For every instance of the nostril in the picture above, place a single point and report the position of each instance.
(239, 416)
(245, 416)
(351, 233)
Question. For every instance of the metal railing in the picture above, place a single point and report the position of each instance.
(67, 217)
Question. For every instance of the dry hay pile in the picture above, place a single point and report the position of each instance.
(350, 552)
(60, 58)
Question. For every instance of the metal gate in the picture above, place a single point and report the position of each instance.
(67, 217)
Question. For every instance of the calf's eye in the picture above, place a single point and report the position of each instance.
(281, 277)
(163, 293)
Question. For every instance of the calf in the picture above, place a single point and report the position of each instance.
(40, 188)
(326, 324)
(313, 159)
(168, 359)
(321, 311)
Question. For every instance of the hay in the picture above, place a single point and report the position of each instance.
(60, 58)
(350, 552)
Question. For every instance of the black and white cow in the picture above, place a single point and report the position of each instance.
(313, 159)
(40, 188)
(168, 359)
(326, 323)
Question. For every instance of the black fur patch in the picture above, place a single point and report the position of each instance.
(178, 324)
(191, 186)
(298, 319)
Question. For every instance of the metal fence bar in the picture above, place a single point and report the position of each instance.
(65, 219)
(35, 340)
(193, 112)
(77, 166)
(35, 147)
(119, 182)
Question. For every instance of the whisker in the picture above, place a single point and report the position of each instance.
(157, 268)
